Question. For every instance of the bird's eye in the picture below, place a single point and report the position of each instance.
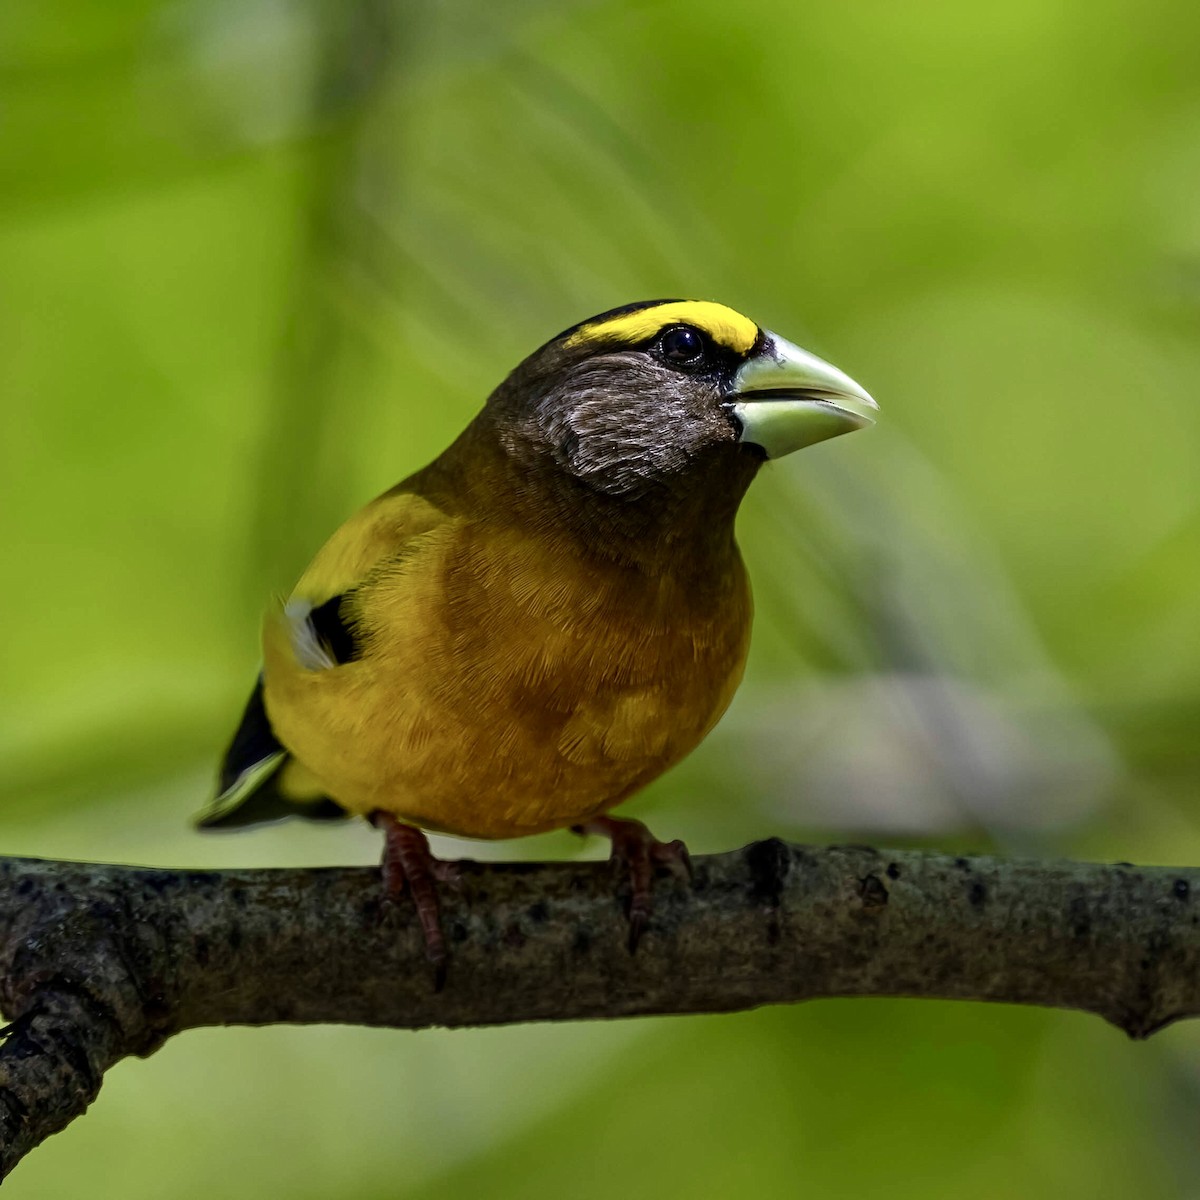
(681, 344)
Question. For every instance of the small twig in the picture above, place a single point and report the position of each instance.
(99, 962)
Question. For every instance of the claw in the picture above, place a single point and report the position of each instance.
(635, 848)
(409, 865)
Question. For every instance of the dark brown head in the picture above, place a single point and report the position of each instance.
(666, 405)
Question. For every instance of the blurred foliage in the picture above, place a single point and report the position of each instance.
(259, 259)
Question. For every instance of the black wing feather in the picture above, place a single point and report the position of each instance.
(333, 631)
(254, 741)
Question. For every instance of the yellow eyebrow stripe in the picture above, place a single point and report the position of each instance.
(725, 327)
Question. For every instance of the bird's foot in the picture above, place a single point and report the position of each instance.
(636, 849)
(409, 865)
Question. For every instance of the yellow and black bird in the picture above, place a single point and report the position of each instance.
(549, 615)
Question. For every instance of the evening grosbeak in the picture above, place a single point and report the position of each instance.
(548, 616)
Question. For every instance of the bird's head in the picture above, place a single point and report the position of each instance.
(652, 395)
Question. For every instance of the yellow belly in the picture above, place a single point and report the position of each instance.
(508, 688)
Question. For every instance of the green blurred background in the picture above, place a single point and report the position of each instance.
(261, 258)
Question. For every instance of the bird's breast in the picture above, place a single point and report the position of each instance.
(509, 685)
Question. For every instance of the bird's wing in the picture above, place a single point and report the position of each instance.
(320, 616)
(376, 537)
(259, 780)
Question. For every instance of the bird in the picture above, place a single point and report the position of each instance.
(529, 630)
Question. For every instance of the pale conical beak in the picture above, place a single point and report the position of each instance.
(785, 399)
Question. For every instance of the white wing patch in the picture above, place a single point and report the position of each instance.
(306, 646)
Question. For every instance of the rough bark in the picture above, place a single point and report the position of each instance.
(99, 961)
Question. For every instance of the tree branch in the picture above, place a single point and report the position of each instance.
(100, 961)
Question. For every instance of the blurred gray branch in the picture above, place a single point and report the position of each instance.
(99, 962)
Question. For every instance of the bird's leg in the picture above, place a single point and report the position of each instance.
(409, 863)
(635, 848)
